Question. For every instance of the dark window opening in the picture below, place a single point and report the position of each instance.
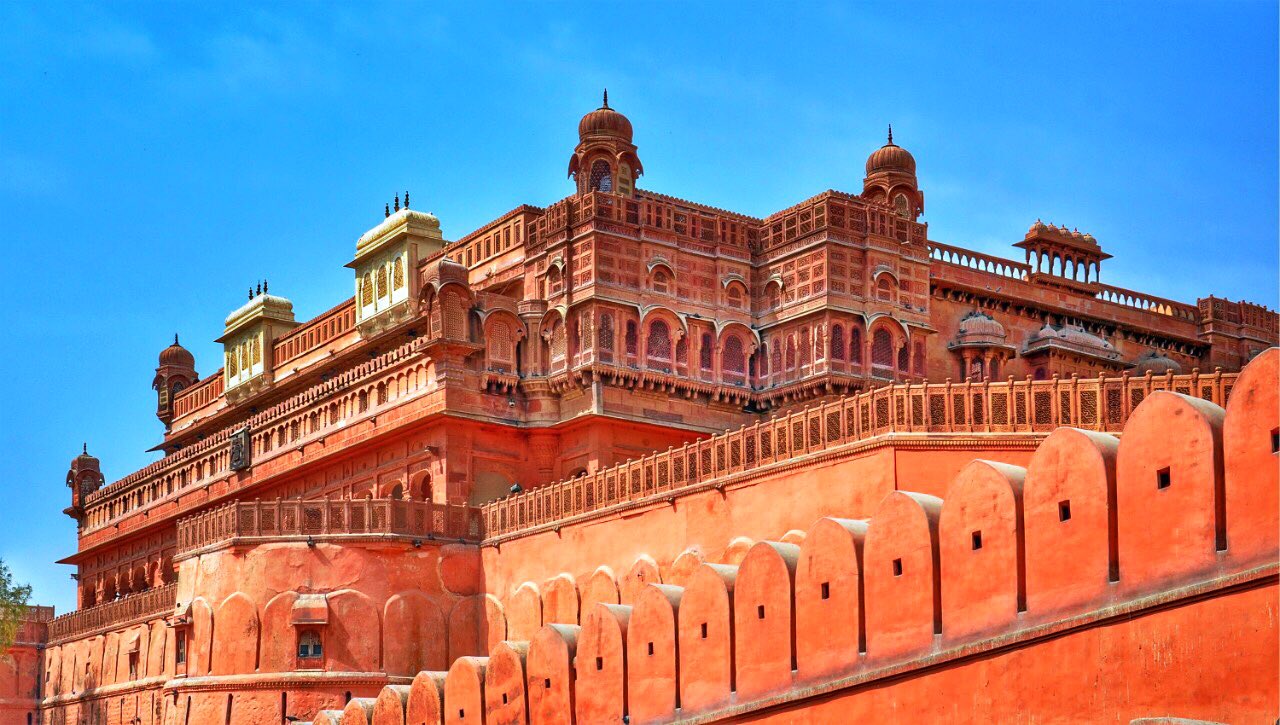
(704, 630)
(1064, 510)
(651, 649)
(760, 612)
(181, 654)
(897, 567)
(1162, 478)
(1275, 441)
(309, 644)
(826, 590)
(599, 664)
(977, 540)
(504, 698)
(462, 714)
(547, 683)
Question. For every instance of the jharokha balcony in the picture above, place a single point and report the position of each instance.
(133, 608)
(347, 520)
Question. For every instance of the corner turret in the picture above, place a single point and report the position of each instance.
(175, 372)
(84, 478)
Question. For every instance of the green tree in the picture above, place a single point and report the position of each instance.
(13, 604)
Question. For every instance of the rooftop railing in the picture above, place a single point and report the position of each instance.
(1012, 406)
(135, 607)
(327, 517)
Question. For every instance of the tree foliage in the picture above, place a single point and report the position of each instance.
(13, 604)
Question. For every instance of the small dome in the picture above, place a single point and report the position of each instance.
(1155, 363)
(891, 158)
(84, 461)
(177, 355)
(978, 324)
(604, 121)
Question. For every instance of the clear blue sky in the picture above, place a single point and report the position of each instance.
(157, 159)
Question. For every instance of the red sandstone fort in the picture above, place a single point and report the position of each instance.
(630, 458)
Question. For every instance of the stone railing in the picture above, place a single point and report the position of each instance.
(327, 517)
(1013, 406)
(143, 605)
(1148, 303)
(962, 257)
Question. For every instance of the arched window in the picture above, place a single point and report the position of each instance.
(557, 342)
(397, 273)
(682, 351)
(630, 337)
(762, 368)
(309, 645)
(901, 206)
(601, 178)
(704, 354)
(500, 341)
(397, 493)
(855, 347)
(775, 365)
(366, 290)
(382, 282)
(732, 358)
(554, 281)
(805, 348)
(837, 342)
(661, 281)
(775, 296)
(884, 289)
(604, 338)
(882, 349)
(735, 295)
(904, 359)
(791, 352)
(658, 343)
(918, 362)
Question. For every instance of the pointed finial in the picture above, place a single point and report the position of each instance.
(397, 207)
(259, 287)
(250, 291)
(175, 338)
(264, 285)
(406, 198)
(85, 448)
(386, 210)
(891, 134)
(606, 98)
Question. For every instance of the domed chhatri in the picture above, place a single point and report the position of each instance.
(891, 158)
(605, 158)
(604, 121)
(177, 355)
(1156, 363)
(979, 327)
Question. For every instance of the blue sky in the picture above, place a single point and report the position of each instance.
(158, 159)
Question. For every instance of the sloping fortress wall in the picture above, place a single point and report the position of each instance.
(1096, 577)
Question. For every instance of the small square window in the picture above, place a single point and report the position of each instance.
(1064, 510)
(1162, 478)
(977, 540)
(897, 567)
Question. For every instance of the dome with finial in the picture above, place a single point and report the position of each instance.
(978, 326)
(891, 158)
(604, 121)
(177, 355)
(1156, 363)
